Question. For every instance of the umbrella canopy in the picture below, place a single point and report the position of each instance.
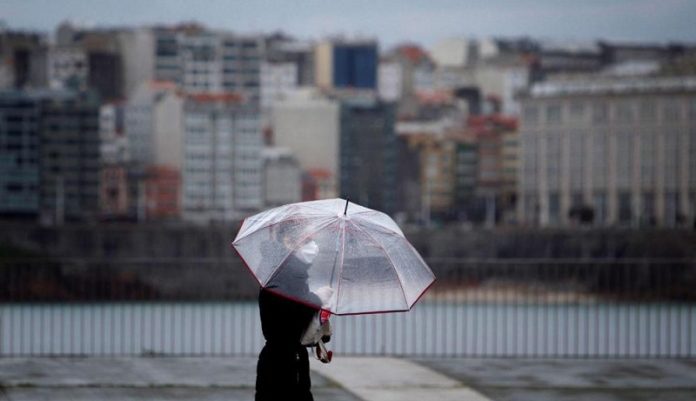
(334, 255)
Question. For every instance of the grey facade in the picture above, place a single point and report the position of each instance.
(625, 148)
(369, 153)
(467, 204)
(70, 157)
(408, 193)
(19, 154)
(50, 155)
(282, 177)
(301, 54)
(241, 66)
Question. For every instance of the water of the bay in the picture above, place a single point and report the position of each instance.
(431, 329)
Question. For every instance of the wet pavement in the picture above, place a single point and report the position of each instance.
(351, 379)
(157, 379)
(574, 379)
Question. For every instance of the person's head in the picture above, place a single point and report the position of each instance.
(287, 235)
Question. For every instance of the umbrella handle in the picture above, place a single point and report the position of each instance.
(322, 354)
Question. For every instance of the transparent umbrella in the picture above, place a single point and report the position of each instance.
(334, 255)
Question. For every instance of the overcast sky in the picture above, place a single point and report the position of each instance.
(391, 21)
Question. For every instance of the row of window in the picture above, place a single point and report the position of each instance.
(629, 111)
(641, 207)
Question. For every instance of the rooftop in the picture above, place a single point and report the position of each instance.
(613, 86)
(215, 97)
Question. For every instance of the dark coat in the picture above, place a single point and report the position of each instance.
(283, 369)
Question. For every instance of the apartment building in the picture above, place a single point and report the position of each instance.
(624, 147)
(307, 123)
(19, 153)
(222, 166)
(69, 156)
(200, 60)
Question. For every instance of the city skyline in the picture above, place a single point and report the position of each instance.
(389, 21)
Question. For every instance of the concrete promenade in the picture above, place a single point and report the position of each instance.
(350, 379)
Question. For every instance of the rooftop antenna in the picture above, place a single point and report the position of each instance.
(346, 209)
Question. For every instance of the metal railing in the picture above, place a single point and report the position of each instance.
(493, 307)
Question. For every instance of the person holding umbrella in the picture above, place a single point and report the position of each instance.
(283, 366)
(316, 256)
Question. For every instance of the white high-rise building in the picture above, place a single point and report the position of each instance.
(389, 80)
(278, 80)
(153, 125)
(282, 177)
(114, 143)
(201, 62)
(222, 172)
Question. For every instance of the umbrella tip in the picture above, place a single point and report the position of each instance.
(346, 209)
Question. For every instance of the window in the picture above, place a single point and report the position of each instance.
(670, 111)
(599, 158)
(531, 115)
(600, 113)
(671, 157)
(692, 109)
(600, 207)
(648, 207)
(647, 159)
(692, 158)
(553, 161)
(647, 111)
(671, 209)
(625, 207)
(577, 155)
(624, 154)
(554, 207)
(553, 113)
(577, 110)
(624, 112)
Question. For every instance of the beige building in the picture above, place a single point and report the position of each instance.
(282, 177)
(437, 161)
(625, 148)
(323, 64)
(307, 123)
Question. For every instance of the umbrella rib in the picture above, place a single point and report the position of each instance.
(327, 210)
(296, 247)
(388, 229)
(361, 212)
(271, 225)
(340, 272)
(398, 276)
